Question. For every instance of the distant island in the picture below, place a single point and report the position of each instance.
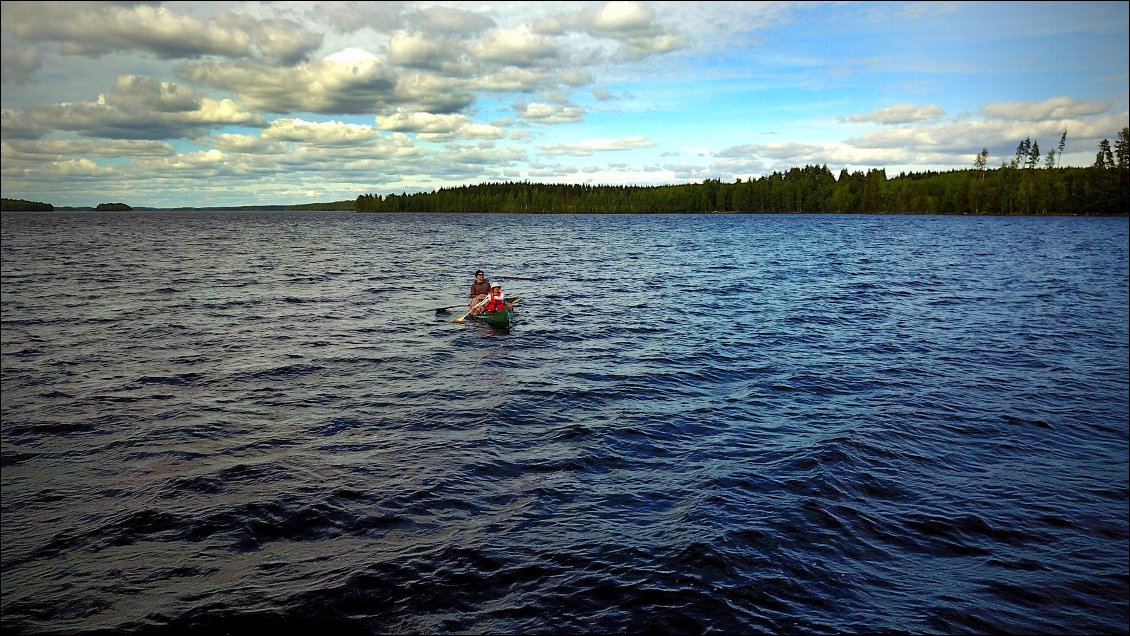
(17, 205)
(1021, 187)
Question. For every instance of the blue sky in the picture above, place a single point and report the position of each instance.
(244, 103)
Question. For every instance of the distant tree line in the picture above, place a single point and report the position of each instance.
(348, 204)
(1017, 187)
(20, 205)
(113, 207)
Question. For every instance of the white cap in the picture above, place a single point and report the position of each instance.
(494, 284)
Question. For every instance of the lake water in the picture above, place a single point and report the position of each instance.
(696, 424)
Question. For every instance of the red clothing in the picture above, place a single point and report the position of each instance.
(495, 302)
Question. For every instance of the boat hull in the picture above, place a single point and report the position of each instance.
(500, 318)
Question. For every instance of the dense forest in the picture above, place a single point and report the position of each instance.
(1021, 186)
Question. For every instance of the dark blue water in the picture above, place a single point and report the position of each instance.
(697, 424)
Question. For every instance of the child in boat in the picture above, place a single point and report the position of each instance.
(495, 301)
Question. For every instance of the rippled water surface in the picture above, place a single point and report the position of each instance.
(696, 424)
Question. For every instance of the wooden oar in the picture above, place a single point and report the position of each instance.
(443, 310)
(464, 316)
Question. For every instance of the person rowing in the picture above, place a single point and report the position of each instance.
(480, 289)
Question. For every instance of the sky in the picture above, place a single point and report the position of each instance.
(212, 104)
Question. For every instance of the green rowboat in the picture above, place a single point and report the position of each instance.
(500, 318)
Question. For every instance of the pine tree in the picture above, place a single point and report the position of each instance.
(1104, 159)
(1033, 155)
(1021, 152)
(1122, 149)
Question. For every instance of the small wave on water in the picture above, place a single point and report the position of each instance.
(696, 424)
